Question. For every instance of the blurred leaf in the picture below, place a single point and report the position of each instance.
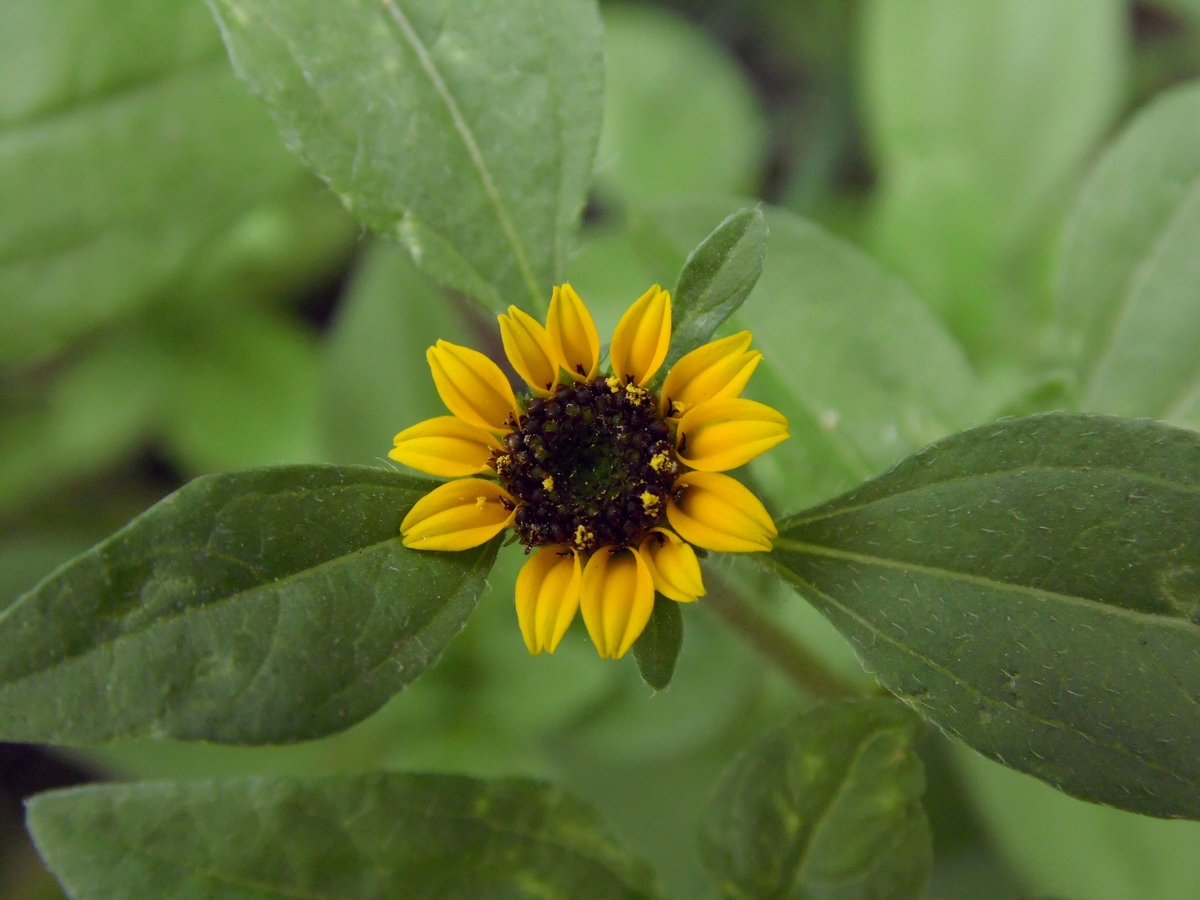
(122, 161)
(862, 369)
(1066, 848)
(980, 115)
(242, 391)
(828, 806)
(657, 650)
(716, 279)
(94, 411)
(679, 115)
(280, 249)
(1130, 277)
(264, 607)
(468, 131)
(609, 273)
(1031, 586)
(716, 681)
(366, 836)
(376, 379)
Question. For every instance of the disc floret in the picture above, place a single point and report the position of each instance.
(590, 466)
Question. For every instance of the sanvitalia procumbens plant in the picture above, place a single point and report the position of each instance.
(593, 470)
(1026, 585)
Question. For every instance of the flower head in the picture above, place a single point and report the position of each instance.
(607, 485)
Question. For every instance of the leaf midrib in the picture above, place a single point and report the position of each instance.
(800, 871)
(987, 698)
(982, 581)
(465, 133)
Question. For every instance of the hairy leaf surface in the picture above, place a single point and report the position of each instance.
(1033, 586)
(264, 607)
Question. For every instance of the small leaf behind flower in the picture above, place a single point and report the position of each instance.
(827, 806)
(367, 837)
(1033, 587)
(657, 650)
(264, 607)
(716, 279)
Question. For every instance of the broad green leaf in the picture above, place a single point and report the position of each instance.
(980, 116)
(1031, 587)
(657, 650)
(241, 391)
(466, 130)
(680, 117)
(828, 806)
(716, 279)
(1130, 275)
(119, 166)
(376, 381)
(265, 607)
(367, 837)
(1063, 847)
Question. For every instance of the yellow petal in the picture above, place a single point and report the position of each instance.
(458, 515)
(718, 369)
(673, 566)
(617, 597)
(471, 385)
(719, 435)
(548, 596)
(719, 513)
(528, 349)
(573, 334)
(446, 446)
(641, 338)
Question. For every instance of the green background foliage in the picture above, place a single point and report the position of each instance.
(960, 211)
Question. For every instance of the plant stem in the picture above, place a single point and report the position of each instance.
(774, 644)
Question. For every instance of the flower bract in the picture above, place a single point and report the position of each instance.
(607, 484)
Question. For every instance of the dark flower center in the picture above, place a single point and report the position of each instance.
(591, 466)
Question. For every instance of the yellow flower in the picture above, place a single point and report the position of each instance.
(607, 485)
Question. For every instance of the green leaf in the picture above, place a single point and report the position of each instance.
(1130, 276)
(375, 378)
(716, 279)
(827, 806)
(657, 650)
(119, 170)
(367, 837)
(466, 130)
(1031, 587)
(980, 116)
(265, 607)
(680, 116)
